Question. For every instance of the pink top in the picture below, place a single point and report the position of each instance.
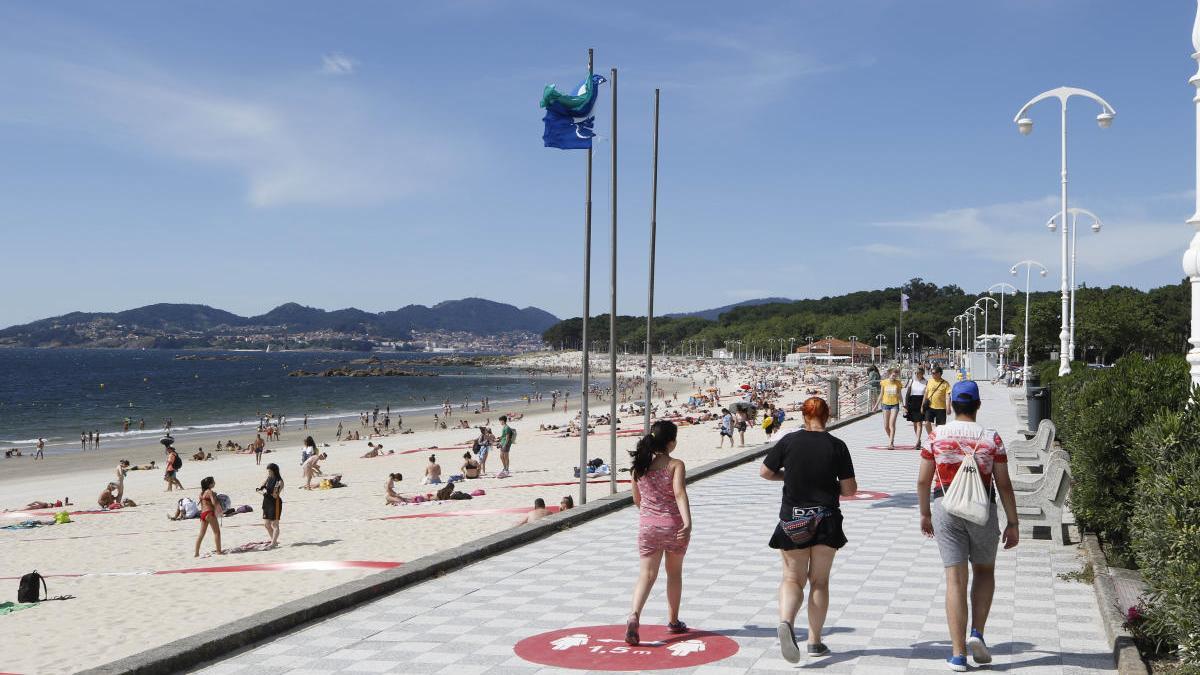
(658, 499)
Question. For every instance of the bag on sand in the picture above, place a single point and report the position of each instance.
(28, 590)
(966, 497)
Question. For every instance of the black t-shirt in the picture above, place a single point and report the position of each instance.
(812, 462)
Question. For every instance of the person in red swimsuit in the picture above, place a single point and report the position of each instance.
(664, 523)
(208, 514)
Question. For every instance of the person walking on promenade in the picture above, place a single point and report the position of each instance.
(664, 523)
(965, 442)
(272, 506)
(933, 405)
(914, 396)
(816, 470)
(889, 399)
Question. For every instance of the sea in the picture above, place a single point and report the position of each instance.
(56, 393)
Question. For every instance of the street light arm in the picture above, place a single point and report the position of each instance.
(1062, 94)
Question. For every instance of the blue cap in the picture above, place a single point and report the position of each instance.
(965, 391)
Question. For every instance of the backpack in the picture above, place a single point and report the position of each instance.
(178, 462)
(28, 590)
(966, 496)
(512, 435)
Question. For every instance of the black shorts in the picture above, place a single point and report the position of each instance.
(935, 416)
(829, 533)
(912, 408)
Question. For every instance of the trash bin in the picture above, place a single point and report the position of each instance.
(1038, 407)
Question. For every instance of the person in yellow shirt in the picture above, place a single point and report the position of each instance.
(937, 393)
(889, 400)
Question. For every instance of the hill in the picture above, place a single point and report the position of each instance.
(716, 312)
(189, 325)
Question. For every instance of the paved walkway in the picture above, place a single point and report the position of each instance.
(886, 595)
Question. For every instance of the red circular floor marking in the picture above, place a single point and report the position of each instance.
(866, 496)
(604, 648)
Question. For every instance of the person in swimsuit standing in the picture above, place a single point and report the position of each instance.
(272, 506)
(664, 523)
(815, 468)
(208, 514)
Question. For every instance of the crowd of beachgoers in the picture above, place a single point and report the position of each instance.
(381, 488)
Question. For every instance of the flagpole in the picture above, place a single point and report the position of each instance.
(612, 315)
(587, 295)
(650, 286)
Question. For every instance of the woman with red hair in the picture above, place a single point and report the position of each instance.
(816, 469)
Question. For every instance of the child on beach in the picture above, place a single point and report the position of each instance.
(392, 497)
(209, 512)
(272, 506)
(664, 523)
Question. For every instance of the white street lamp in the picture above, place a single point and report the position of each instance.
(880, 338)
(1025, 125)
(853, 344)
(1005, 289)
(912, 346)
(1096, 225)
(987, 340)
(829, 347)
(1029, 264)
(953, 333)
(1191, 258)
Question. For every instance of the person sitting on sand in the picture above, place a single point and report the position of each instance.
(311, 469)
(566, 504)
(470, 468)
(539, 511)
(392, 497)
(108, 496)
(184, 509)
(433, 472)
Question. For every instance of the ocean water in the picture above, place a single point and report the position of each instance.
(56, 393)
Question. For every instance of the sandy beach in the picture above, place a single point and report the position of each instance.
(136, 558)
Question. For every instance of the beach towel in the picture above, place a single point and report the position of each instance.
(10, 607)
(27, 525)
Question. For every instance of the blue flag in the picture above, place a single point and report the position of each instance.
(569, 122)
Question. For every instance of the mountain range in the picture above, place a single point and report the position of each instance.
(470, 315)
(713, 314)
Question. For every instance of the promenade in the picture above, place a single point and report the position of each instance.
(560, 602)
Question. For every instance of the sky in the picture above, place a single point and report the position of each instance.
(378, 154)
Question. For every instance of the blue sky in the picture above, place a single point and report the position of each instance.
(376, 154)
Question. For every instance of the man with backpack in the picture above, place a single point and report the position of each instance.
(963, 467)
(508, 436)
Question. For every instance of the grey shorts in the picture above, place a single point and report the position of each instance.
(961, 541)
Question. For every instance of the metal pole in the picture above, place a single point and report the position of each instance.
(1074, 223)
(1025, 347)
(1191, 258)
(612, 316)
(587, 296)
(650, 285)
(1064, 358)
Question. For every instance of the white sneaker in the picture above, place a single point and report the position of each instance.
(978, 647)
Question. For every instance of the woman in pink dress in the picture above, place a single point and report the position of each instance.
(664, 523)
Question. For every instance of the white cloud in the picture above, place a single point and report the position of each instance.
(337, 63)
(292, 141)
(889, 250)
(1012, 231)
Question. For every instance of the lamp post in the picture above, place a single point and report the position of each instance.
(972, 322)
(987, 340)
(1191, 258)
(880, 338)
(853, 344)
(953, 333)
(1005, 289)
(1096, 225)
(1025, 125)
(829, 347)
(1029, 265)
(912, 346)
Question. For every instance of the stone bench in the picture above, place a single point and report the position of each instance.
(1042, 502)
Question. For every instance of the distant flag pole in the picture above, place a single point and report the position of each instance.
(900, 331)
(570, 125)
(587, 296)
(612, 316)
(650, 287)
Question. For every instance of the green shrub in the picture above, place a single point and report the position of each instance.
(1102, 410)
(1165, 526)
(1065, 403)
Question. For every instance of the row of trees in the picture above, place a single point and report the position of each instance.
(1110, 322)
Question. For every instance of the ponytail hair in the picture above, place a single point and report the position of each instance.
(662, 434)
